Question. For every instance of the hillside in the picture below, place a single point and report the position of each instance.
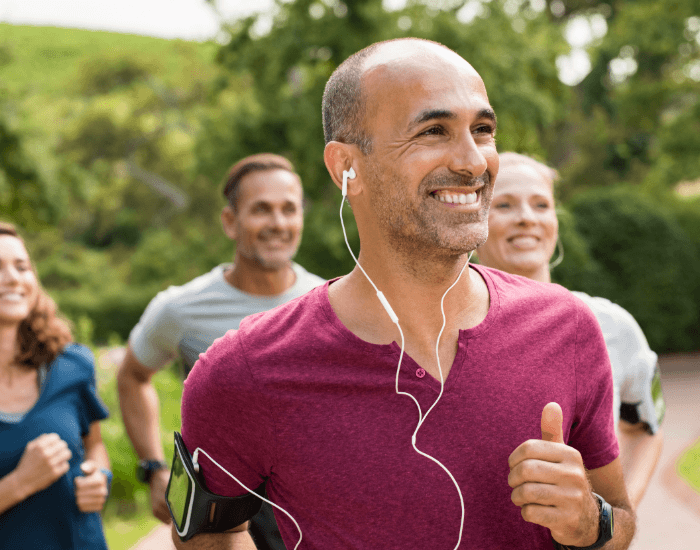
(41, 60)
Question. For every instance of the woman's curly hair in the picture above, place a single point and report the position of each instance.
(44, 333)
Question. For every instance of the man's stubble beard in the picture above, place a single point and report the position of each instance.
(425, 232)
(272, 265)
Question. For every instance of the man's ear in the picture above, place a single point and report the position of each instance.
(340, 157)
(228, 221)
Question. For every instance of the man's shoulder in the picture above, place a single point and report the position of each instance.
(168, 304)
(203, 283)
(291, 320)
(521, 288)
(305, 279)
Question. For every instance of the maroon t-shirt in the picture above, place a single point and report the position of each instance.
(295, 398)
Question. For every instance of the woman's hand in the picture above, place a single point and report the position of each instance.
(44, 460)
(91, 488)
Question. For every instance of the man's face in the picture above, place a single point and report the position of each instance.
(433, 161)
(268, 219)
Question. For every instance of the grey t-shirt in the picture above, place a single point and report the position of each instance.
(185, 320)
(636, 376)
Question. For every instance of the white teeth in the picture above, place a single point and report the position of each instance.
(460, 198)
(11, 296)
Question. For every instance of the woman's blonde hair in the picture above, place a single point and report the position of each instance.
(550, 175)
(44, 333)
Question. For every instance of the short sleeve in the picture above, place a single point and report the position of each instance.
(91, 406)
(593, 428)
(226, 414)
(640, 390)
(155, 337)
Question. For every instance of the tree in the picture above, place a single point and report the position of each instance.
(28, 197)
(635, 116)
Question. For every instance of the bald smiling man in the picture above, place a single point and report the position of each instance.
(384, 425)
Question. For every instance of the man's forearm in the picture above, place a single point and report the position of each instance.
(240, 540)
(139, 404)
(625, 526)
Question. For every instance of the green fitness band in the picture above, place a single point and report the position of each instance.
(194, 509)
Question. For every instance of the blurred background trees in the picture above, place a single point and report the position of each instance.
(114, 146)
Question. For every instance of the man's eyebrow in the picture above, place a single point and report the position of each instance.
(441, 114)
(488, 113)
(431, 114)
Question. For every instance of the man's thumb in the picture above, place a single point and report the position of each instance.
(89, 466)
(552, 419)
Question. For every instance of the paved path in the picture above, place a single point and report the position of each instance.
(669, 515)
(158, 539)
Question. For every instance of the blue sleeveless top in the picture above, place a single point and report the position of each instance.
(67, 405)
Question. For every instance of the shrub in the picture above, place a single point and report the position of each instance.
(647, 263)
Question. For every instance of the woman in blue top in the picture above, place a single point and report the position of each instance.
(54, 469)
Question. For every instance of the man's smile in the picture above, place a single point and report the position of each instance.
(455, 197)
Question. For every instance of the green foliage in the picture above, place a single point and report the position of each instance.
(101, 75)
(688, 466)
(129, 502)
(578, 268)
(648, 263)
(27, 195)
(639, 125)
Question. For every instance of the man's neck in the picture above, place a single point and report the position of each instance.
(252, 279)
(415, 297)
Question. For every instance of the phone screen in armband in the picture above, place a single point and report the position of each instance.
(179, 492)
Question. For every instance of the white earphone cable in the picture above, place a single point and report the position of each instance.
(194, 459)
(394, 318)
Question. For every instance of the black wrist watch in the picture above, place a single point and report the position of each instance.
(146, 468)
(606, 527)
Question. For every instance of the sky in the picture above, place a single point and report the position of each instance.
(187, 19)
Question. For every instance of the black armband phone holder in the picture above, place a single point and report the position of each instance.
(194, 509)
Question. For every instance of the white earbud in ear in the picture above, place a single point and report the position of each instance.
(347, 174)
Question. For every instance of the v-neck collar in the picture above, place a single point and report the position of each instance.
(409, 366)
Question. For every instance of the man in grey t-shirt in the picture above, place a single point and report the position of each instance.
(264, 217)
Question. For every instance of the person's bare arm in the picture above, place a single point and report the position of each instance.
(553, 489)
(91, 488)
(139, 403)
(639, 454)
(235, 539)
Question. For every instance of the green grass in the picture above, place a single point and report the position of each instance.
(46, 73)
(122, 534)
(36, 60)
(688, 466)
(127, 515)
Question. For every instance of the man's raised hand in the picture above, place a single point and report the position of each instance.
(550, 485)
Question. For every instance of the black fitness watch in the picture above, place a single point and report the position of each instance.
(146, 469)
(606, 527)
